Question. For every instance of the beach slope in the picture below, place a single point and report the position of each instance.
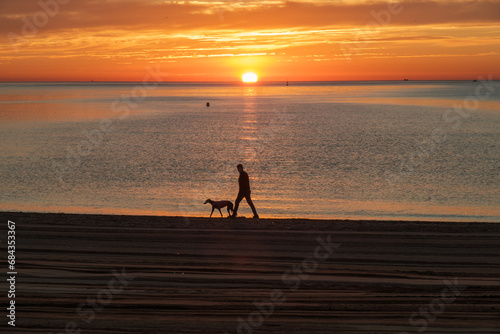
(140, 274)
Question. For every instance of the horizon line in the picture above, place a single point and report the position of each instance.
(234, 81)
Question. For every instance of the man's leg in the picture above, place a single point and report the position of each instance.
(249, 201)
(237, 203)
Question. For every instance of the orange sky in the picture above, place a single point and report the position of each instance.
(72, 40)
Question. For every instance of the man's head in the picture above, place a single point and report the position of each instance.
(240, 168)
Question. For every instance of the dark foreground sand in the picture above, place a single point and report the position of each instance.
(126, 274)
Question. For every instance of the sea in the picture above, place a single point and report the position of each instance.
(381, 150)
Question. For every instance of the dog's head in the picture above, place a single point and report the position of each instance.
(208, 201)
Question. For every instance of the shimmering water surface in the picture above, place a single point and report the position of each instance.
(378, 150)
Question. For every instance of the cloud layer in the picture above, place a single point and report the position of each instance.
(129, 34)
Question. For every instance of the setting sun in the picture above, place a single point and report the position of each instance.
(249, 77)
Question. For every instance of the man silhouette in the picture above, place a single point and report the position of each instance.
(244, 183)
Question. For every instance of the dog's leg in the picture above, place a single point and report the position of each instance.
(212, 212)
(220, 213)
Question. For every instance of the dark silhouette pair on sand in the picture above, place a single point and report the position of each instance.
(244, 192)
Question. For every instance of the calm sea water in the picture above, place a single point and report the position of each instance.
(378, 150)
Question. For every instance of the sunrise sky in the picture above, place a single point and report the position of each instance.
(113, 40)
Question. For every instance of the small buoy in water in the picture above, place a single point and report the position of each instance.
(208, 104)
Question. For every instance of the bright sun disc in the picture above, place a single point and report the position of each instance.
(249, 77)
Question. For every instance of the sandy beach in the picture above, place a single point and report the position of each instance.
(140, 274)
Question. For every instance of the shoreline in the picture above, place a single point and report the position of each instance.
(240, 219)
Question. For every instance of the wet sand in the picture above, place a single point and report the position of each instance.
(138, 274)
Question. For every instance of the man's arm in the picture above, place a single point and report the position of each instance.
(244, 182)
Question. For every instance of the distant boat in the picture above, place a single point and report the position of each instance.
(405, 79)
